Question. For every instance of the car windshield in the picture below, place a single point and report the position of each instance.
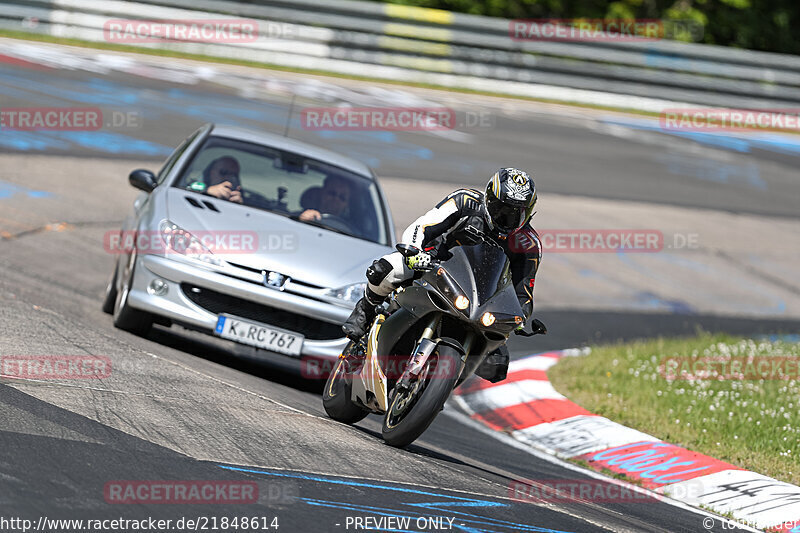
(307, 190)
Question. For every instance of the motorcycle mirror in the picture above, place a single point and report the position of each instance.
(407, 250)
(538, 327)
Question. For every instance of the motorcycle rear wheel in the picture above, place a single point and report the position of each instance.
(411, 412)
(336, 397)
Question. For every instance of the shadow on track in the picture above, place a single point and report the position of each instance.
(567, 329)
(275, 368)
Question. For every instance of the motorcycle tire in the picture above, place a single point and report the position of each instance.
(430, 399)
(336, 397)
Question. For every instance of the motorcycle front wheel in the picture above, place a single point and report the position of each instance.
(336, 397)
(412, 411)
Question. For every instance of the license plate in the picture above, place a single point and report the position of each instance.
(258, 335)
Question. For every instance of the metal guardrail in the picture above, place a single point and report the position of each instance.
(442, 48)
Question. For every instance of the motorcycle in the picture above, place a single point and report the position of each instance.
(440, 329)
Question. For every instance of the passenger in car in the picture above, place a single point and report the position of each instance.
(221, 180)
(332, 199)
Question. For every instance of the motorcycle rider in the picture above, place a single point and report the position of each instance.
(503, 212)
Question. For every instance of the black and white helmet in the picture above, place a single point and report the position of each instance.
(509, 199)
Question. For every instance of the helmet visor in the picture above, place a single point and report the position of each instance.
(506, 217)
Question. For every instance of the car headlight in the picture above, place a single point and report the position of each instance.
(348, 293)
(178, 240)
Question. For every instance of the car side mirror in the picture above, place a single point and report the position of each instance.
(143, 180)
(407, 250)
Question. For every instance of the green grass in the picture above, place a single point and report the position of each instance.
(751, 423)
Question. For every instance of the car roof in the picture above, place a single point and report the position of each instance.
(292, 145)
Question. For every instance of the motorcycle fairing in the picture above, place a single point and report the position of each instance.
(369, 384)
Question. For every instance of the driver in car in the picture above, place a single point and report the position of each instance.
(502, 212)
(221, 180)
(334, 200)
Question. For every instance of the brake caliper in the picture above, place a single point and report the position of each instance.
(354, 356)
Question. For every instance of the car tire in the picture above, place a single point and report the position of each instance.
(111, 292)
(125, 317)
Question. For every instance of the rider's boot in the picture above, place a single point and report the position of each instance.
(495, 367)
(362, 316)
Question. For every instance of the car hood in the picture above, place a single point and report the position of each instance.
(303, 252)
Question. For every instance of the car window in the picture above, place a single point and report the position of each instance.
(164, 172)
(289, 184)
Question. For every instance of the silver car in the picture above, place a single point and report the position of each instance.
(256, 238)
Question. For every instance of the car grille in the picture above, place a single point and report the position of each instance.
(259, 271)
(218, 303)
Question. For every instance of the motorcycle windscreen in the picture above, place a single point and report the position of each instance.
(482, 263)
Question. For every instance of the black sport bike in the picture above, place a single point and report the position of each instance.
(432, 336)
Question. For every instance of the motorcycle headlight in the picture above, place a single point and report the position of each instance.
(348, 293)
(178, 240)
(449, 287)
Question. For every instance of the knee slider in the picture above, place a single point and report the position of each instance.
(378, 271)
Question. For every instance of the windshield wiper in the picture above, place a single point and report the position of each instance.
(318, 224)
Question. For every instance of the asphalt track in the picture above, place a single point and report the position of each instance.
(179, 405)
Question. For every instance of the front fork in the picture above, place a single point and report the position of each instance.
(424, 349)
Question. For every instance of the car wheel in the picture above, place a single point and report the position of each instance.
(111, 292)
(125, 317)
